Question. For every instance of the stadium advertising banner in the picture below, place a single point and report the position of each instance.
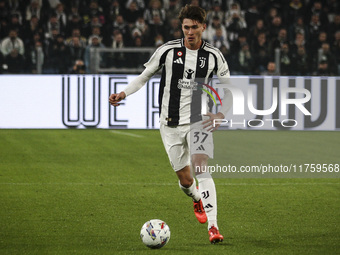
(72, 101)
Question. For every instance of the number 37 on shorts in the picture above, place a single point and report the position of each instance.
(201, 142)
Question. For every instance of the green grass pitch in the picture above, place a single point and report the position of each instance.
(90, 191)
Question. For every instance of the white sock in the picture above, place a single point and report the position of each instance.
(208, 195)
(191, 191)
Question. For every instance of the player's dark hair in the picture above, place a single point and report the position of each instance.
(192, 12)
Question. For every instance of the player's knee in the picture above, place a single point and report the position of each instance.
(199, 165)
(186, 183)
(185, 177)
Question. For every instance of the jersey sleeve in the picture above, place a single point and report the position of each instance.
(151, 67)
(155, 62)
(137, 83)
(222, 70)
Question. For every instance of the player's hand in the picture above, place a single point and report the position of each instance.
(114, 99)
(209, 123)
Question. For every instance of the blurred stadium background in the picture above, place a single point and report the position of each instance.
(113, 36)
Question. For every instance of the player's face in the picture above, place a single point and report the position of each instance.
(192, 30)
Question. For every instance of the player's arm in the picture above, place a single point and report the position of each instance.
(151, 67)
(223, 75)
(133, 86)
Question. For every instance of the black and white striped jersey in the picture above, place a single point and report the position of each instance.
(180, 101)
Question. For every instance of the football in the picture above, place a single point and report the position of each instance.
(155, 234)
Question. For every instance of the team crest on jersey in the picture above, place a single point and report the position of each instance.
(180, 53)
(202, 61)
(189, 73)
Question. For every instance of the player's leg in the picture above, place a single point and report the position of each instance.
(208, 195)
(188, 185)
(202, 148)
(174, 140)
(207, 188)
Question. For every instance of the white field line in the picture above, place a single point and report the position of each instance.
(165, 184)
(127, 134)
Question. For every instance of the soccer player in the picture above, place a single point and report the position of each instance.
(185, 127)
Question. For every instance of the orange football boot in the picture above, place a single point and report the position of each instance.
(199, 212)
(214, 235)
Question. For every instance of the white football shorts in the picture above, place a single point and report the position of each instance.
(180, 142)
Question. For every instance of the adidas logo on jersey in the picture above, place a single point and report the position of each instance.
(179, 61)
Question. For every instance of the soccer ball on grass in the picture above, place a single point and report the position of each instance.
(155, 234)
